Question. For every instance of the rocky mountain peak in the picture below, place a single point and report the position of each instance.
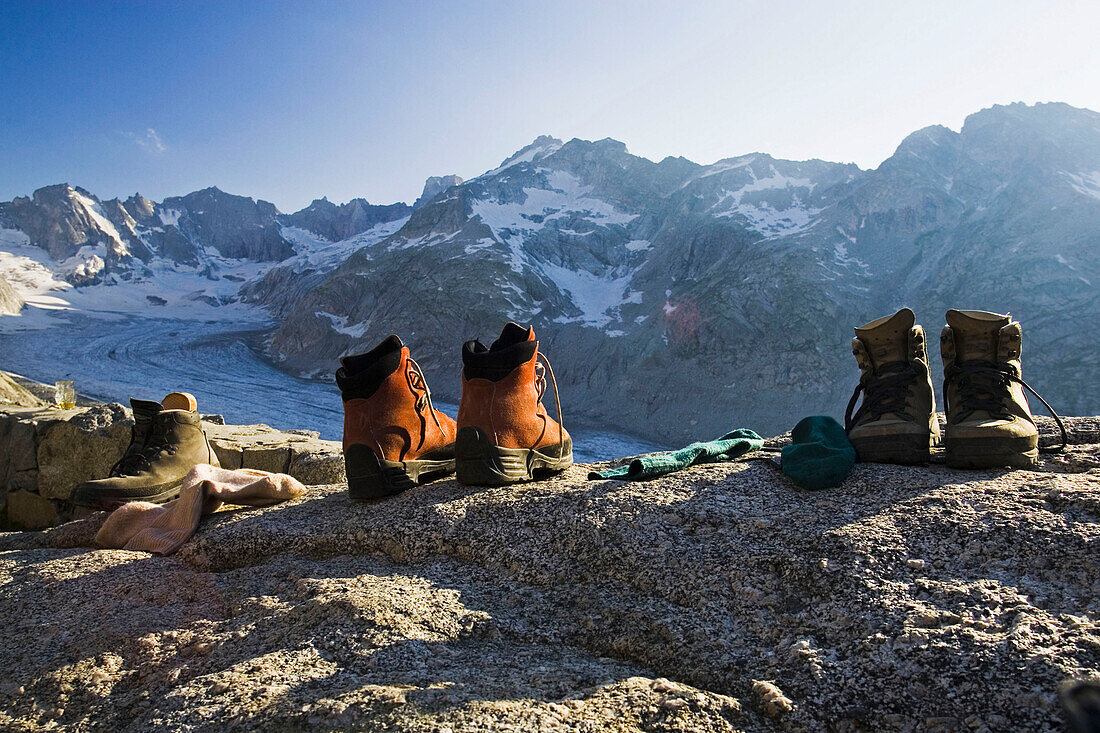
(612, 145)
(545, 141)
(338, 222)
(236, 226)
(435, 185)
(141, 208)
(1045, 113)
(580, 154)
(117, 214)
(931, 150)
(933, 135)
(1041, 144)
(64, 220)
(541, 147)
(52, 193)
(321, 204)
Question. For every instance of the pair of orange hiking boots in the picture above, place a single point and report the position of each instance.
(395, 438)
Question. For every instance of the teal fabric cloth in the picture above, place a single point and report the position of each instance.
(729, 446)
(820, 455)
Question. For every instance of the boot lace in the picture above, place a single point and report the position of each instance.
(129, 465)
(885, 390)
(540, 384)
(134, 463)
(414, 376)
(984, 386)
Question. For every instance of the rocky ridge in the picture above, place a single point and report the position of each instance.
(721, 598)
(734, 286)
(95, 241)
(434, 186)
(338, 222)
(681, 299)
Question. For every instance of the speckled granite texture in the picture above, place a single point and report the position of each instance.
(719, 598)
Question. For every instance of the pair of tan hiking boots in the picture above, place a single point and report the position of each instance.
(395, 438)
(989, 422)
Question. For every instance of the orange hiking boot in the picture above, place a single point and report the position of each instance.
(504, 433)
(393, 435)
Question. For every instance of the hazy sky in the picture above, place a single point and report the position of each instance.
(292, 101)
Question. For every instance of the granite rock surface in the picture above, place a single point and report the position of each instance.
(15, 394)
(720, 598)
(11, 302)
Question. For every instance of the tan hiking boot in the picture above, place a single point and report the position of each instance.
(989, 422)
(165, 445)
(394, 437)
(896, 423)
(504, 432)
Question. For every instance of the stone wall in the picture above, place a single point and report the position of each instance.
(46, 452)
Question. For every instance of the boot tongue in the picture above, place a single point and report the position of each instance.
(515, 346)
(976, 334)
(512, 334)
(144, 410)
(361, 375)
(887, 338)
(353, 364)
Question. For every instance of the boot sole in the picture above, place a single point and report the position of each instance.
(163, 493)
(375, 478)
(480, 463)
(979, 453)
(909, 450)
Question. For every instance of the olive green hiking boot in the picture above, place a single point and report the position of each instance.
(989, 422)
(896, 422)
(165, 445)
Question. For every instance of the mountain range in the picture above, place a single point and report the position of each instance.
(675, 300)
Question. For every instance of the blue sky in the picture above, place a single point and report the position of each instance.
(291, 101)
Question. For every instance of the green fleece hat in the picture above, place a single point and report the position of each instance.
(820, 455)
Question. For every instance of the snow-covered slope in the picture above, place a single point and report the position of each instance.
(284, 285)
